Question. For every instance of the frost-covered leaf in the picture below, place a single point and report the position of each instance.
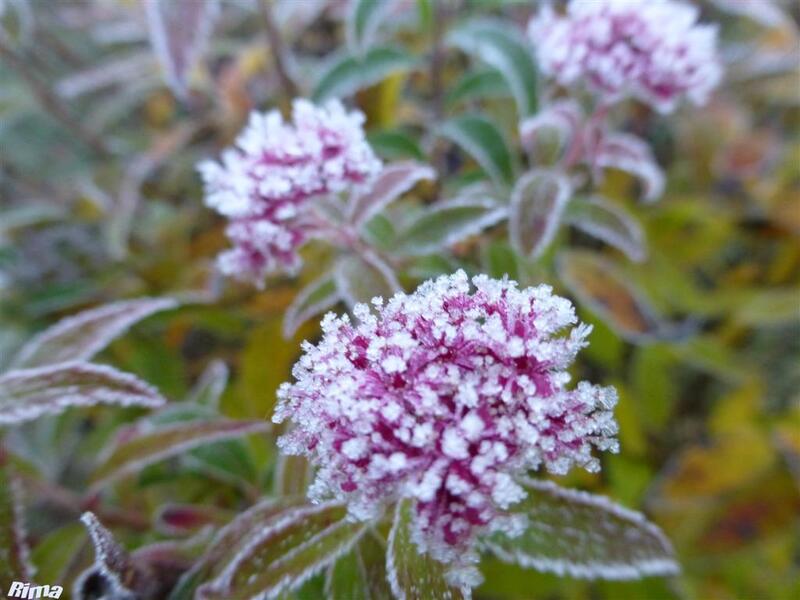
(394, 145)
(360, 278)
(502, 47)
(537, 206)
(318, 296)
(449, 222)
(764, 12)
(600, 286)
(179, 31)
(292, 475)
(394, 180)
(360, 574)
(82, 336)
(209, 388)
(482, 140)
(583, 535)
(364, 20)
(113, 574)
(478, 85)
(15, 562)
(138, 450)
(631, 154)
(608, 222)
(347, 74)
(412, 574)
(555, 125)
(281, 555)
(27, 394)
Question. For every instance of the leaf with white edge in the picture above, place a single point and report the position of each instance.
(360, 278)
(632, 155)
(537, 206)
(82, 336)
(210, 563)
(141, 449)
(15, 564)
(179, 32)
(26, 394)
(292, 475)
(394, 144)
(346, 74)
(603, 289)
(481, 139)
(478, 85)
(283, 554)
(318, 296)
(113, 574)
(360, 574)
(209, 388)
(393, 181)
(764, 12)
(449, 222)
(608, 222)
(364, 20)
(500, 46)
(413, 574)
(583, 535)
(555, 125)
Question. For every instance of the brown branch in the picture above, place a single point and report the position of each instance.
(278, 48)
(51, 103)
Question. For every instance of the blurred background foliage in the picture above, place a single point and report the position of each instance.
(99, 201)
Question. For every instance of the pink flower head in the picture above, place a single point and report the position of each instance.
(653, 50)
(445, 397)
(264, 183)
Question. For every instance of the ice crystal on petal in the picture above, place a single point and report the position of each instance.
(445, 396)
(264, 183)
(653, 50)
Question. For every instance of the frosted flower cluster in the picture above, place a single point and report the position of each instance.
(264, 183)
(444, 396)
(653, 50)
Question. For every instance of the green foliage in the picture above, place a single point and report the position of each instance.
(694, 298)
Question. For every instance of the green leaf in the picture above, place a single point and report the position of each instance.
(482, 140)
(363, 22)
(501, 46)
(348, 74)
(478, 85)
(82, 336)
(209, 388)
(601, 287)
(447, 223)
(538, 201)
(393, 144)
(14, 560)
(138, 451)
(583, 535)
(770, 307)
(283, 553)
(360, 278)
(609, 223)
(360, 574)
(413, 574)
(392, 182)
(318, 296)
(27, 394)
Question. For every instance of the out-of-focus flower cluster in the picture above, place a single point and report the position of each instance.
(653, 50)
(265, 182)
(444, 397)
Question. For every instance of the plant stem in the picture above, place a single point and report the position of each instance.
(51, 103)
(278, 48)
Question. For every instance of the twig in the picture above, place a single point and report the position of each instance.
(51, 102)
(277, 47)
